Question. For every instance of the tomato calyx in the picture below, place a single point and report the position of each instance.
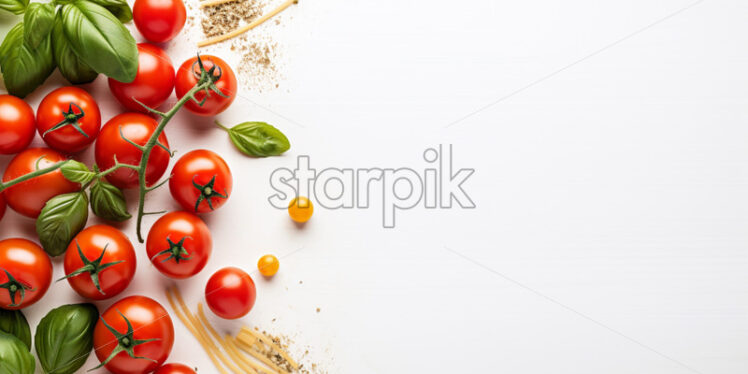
(211, 75)
(207, 191)
(125, 342)
(175, 251)
(13, 286)
(94, 268)
(71, 119)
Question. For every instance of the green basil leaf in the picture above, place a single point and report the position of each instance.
(108, 202)
(64, 338)
(24, 68)
(71, 66)
(100, 40)
(258, 139)
(60, 220)
(14, 357)
(38, 21)
(77, 172)
(14, 323)
(119, 8)
(14, 6)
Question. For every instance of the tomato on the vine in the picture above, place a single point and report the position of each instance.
(68, 119)
(230, 293)
(200, 181)
(114, 141)
(188, 76)
(179, 245)
(153, 83)
(25, 273)
(159, 20)
(16, 124)
(100, 262)
(175, 369)
(28, 197)
(135, 335)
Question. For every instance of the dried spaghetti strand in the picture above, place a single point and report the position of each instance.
(224, 345)
(208, 348)
(205, 335)
(273, 369)
(248, 27)
(269, 342)
(208, 3)
(247, 346)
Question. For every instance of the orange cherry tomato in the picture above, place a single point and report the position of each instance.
(300, 209)
(268, 265)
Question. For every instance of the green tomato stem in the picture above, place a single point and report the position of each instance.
(32, 175)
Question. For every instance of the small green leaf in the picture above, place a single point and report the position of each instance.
(14, 323)
(108, 202)
(258, 139)
(38, 21)
(71, 66)
(24, 68)
(100, 40)
(64, 338)
(77, 172)
(14, 6)
(118, 8)
(62, 217)
(14, 357)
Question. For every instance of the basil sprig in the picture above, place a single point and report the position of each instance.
(83, 38)
(62, 217)
(257, 139)
(64, 338)
(108, 202)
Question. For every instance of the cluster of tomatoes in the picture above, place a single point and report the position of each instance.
(100, 262)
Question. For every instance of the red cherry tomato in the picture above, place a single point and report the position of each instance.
(25, 273)
(159, 20)
(230, 293)
(137, 128)
(16, 124)
(153, 83)
(65, 115)
(179, 245)
(149, 320)
(200, 181)
(107, 258)
(2, 206)
(28, 198)
(187, 77)
(174, 369)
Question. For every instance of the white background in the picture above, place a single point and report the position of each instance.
(611, 188)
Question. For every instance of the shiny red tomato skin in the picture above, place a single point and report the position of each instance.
(149, 321)
(67, 139)
(112, 280)
(28, 264)
(197, 242)
(230, 293)
(153, 83)
(186, 79)
(28, 198)
(200, 166)
(159, 21)
(138, 128)
(174, 369)
(17, 125)
(2, 206)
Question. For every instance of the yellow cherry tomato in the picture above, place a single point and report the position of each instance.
(300, 209)
(268, 265)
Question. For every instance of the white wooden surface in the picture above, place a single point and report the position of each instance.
(610, 228)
